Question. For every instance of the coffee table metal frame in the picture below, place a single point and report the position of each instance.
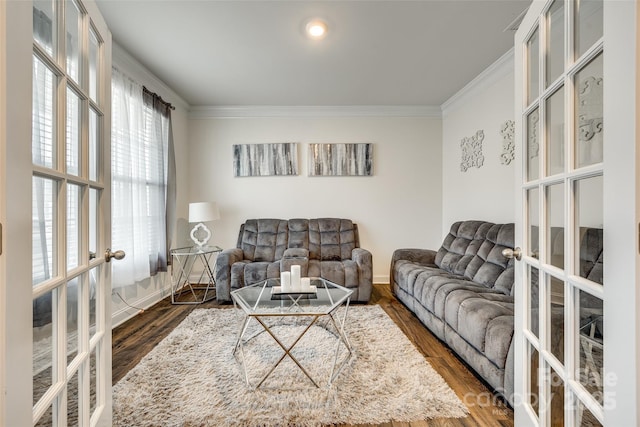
(258, 302)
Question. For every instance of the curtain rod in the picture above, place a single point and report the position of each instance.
(155, 95)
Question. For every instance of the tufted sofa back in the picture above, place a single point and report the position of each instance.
(473, 249)
(263, 240)
(327, 239)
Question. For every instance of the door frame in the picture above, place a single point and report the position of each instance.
(17, 346)
(3, 204)
(621, 212)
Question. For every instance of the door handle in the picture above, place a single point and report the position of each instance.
(512, 253)
(108, 254)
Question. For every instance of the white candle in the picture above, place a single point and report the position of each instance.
(305, 283)
(295, 277)
(285, 281)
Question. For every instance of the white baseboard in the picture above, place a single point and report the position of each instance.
(126, 313)
(381, 279)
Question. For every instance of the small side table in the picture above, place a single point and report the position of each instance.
(183, 262)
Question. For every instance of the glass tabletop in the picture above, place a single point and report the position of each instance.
(195, 250)
(265, 298)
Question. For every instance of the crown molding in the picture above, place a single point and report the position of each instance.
(247, 111)
(128, 64)
(494, 72)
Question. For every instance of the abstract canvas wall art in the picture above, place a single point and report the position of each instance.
(265, 159)
(341, 159)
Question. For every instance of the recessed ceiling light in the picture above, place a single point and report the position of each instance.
(316, 29)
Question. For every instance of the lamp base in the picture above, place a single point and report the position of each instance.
(199, 229)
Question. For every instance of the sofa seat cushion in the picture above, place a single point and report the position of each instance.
(406, 272)
(431, 286)
(245, 273)
(484, 320)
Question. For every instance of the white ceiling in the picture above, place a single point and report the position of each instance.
(253, 53)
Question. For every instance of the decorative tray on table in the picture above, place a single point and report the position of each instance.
(310, 292)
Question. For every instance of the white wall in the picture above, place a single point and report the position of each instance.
(399, 206)
(486, 193)
(147, 293)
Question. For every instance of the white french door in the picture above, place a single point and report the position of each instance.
(56, 289)
(573, 76)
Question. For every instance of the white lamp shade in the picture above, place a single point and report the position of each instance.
(203, 211)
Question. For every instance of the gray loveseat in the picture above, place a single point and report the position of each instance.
(464, 294)
(323, 247)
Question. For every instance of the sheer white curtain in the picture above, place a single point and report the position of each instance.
(138, 184)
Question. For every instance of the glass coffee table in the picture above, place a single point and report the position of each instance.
(269, 307)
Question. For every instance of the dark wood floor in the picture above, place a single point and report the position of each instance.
(136, 337)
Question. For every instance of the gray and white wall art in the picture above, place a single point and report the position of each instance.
(265, 159)
(341, 159)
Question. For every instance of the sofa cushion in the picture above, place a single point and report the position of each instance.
(331, 239)
(461, 245)
(246, 273)
(263, 240)
(484, 320)
(489, 267)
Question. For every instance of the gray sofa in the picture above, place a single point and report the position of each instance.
(323, 247)
(464, 294)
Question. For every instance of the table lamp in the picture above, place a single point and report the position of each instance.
(201, 212)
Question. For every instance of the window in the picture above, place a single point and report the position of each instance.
(140, 134)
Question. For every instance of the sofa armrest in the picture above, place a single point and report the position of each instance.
(364, 261)
(225, 260)
(419, 256)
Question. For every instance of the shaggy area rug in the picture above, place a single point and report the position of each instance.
(192, 378)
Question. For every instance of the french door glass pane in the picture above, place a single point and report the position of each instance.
(73, 305)
(555, 317)
(93, 221)
(534, 300)
(93, 65)
(585, 418)
(43, 333)
(73, 386)
(588, 27)
(533, 206)
(92, 381)
(533, 145)
(589, 113)
(555, 43)
(534, 382)
(94, 274)
(590, 234)
(72, 39)
(73, 226)
(43, 229)
(555, 227)
(44, 24)
(533, 62)
(46, 420)
(556, 398)
(555, 132)
(94, 144)
(73, 133)
(43, 140)
(591, 344)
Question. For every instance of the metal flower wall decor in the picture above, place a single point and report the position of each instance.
(507, 130)
(471, 148)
